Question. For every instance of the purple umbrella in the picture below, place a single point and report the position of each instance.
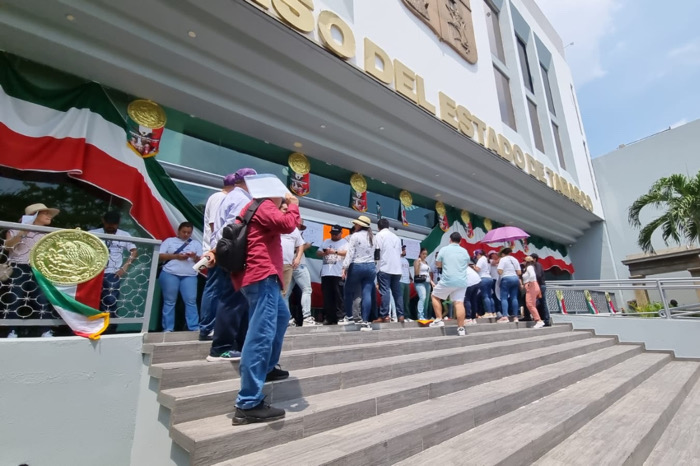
(504, 234)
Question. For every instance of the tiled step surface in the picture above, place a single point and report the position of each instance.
(397, 435)
(190, 402)
(627, 431)
(680, 443)
(180, 374)
(214, 438)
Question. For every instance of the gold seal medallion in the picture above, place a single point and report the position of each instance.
(69, 257)
(440, 208)
(466, 218)
(487, 224)
(358, 183)
(406, 198)
(299, 163)
(147, 113)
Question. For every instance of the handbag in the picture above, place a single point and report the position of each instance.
(420, 279)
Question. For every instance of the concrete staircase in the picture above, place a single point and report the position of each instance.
(504, 394)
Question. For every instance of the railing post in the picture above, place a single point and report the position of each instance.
(667, 311)
(150, 292)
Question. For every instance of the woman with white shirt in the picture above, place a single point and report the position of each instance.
(509, 271)
(422, 280)
(180, 253)
(360, 254)
(532, 290)
(483, 268)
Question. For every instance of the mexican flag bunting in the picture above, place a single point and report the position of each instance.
(77, 304)
(589, 302)
(402, 215)
(560, 301)
(609, 302)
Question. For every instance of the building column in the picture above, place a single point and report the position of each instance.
(695, 273)
(641, 296)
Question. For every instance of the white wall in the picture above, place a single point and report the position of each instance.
(72, 402)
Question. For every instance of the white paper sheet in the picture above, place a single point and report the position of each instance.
(313, 233)
(265, 185)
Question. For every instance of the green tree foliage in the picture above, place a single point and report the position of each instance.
(679, 198)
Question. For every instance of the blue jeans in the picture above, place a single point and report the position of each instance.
(423, 291)
(231, 322)
(187, 286)
(362, 275)
(486, 291)
(301, 277)
(111, 283)
(471, 301)
(268, 320)
(210, 299)
(510, 292)
(390, 286)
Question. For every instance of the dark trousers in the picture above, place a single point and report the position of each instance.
(471, 301)
(332, 299)
(542, 306)
(390, 285)
(231, 323)
(210, 298)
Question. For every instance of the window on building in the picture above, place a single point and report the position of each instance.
(560, 149)
(573, 99)
(547, 89)
(505, 101)
(535, 123)
(524, 65)
(494, 29)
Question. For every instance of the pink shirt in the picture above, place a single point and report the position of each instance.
(264, 244)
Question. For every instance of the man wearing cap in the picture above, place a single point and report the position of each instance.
(542, 307)
(332, 251)
(231, 321)
(295, 271)
(483, 268)
(116, 267)
(210, 294)
(454, 260)
(389, 271)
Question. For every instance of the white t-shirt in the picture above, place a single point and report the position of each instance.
(332, 263)
(484, 267)
(359, 249)
(19, 253)
(509, 265)
(529, 275)
(494, 270)
(116, 250)
(179, 267)
(389, 246)
(473, 277)
(405, 271)
(210, 211)
(290, 242)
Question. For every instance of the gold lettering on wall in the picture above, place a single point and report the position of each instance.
(466, 126)
(296, 13)
(505, 148)
(405, 81)
(262, 3)
(448, 110)
(328, 20)
(374, 53)
(492, 141)
(518, 157)
(422, 101)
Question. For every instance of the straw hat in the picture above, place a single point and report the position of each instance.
(34, 208)
(529, 259)
(362, 221)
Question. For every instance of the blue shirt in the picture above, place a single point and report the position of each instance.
(179, 267)
(229, 209)
(455, 260)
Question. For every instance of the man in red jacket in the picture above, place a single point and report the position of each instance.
(261, 284)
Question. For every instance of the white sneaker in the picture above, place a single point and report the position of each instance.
(437, 323)
(515, 319)
(292, 323)
(470, 322)
(12, 334)
(47, 334)
(539, 324)
(461, 332)
(310, 322)
(345, 321)
(365, 326)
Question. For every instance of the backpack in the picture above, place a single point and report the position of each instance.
(232, 248)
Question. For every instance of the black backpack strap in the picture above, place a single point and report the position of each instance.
(250, 212)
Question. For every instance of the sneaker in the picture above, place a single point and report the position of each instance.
(276, 374)
(263, 412)
(12, 334)
(470, 322)
(437, 323)
(310, 322)
(503, 320)
(461, 332)
(226, 356)
(381, 320)
(365, 326)
(47, 334)
(515, 319)
(205, 337)
(408, 320)
(346, 320)
(402, 319)
(292, 323)
(539, 324)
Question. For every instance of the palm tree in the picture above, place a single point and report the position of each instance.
(679, 197)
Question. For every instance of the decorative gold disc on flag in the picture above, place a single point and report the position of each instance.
(299, 163)
(69, 257)
(465, 217)
(147, 113)
(406, 198)
(440, 208)
(487, 224)
(358, 183)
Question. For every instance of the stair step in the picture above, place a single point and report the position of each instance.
(180, 374)
(394, 436)
(680, 443)
(215, 439)
(626, 432)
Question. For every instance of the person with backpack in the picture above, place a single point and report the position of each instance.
(261, 282)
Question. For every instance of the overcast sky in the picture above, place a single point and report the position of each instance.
(636, 65)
